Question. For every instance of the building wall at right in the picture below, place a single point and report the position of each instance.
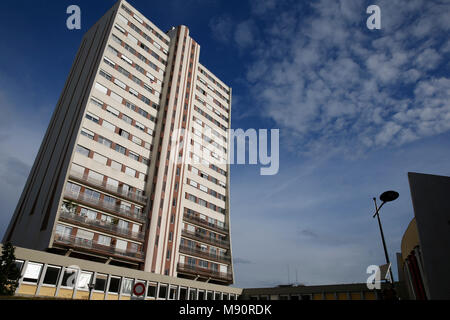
(431, 202)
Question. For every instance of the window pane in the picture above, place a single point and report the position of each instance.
(151, 290)
(162, 292)
(68, 279)
(83, 280)
(100, 282)
(114, 285)
(126, 286)
(32, 272)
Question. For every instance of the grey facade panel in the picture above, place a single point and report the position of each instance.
(431, 200)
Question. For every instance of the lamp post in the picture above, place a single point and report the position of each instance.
(385, 197)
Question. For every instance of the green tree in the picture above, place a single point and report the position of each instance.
(9, 273)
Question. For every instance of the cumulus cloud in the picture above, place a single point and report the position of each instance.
(221, 28)
(336, 87)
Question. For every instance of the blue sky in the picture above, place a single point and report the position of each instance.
(356, 108)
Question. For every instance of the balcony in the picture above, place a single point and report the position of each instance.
(204, 272)
(198, 236)
(205, 254)
(114, 190)
(204, 223)
(102, 205)
(95, 247)
(100, 225)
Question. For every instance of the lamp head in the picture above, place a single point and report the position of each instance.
(389, 196)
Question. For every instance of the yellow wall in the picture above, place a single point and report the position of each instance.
(125, 298)
(27, 289)
(342, 296)
(355, 296)
(83, 295)
(47, 291)
(410, 239)
(329, 296)
(98, 296)
(112, 297)
(317, 296)
(369, 296)
(65, 293)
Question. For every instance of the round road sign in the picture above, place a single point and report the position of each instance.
(139, 289)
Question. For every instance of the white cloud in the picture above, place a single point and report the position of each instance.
(333, 85)
(245, 34)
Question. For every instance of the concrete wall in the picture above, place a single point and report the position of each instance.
(431, 200)
(33, 221)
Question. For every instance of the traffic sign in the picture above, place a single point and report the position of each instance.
(139, 289)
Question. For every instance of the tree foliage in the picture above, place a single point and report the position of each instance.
(9, 273)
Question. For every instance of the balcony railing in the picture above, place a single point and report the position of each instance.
(205, 272)
(99, 224)
(110, 207)
(197, 220)
(198, 236)
(92, 245)
(205, 254)
(116, 190)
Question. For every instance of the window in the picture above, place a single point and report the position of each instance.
(116, 165)
(101, 88)
(86, 235)
(109, 126)
(130, 172)
(99, 158)
(97, 102)
(92, 215)
(120, 149)
(32, 272)
(87, 133)
(123, 133)
(192, 294)
(133, 155)
(92, 194)
(84, 280)
(51, 275)
(183, 293)
(68, 279)
(114, 285)
(151, 290)
(119, 27)
(105, 141)
(123, 225)
(116, 97)
(126, 59)
(121, 245)
(162, 291)
(136, 140)
(63, 231)
(112, 111)
(140, 126)
(100, 282)
(92, 117)
(126, 286)
(82, 150)
(127, 119)
(104, 240)
(120, 84)
(105, 74)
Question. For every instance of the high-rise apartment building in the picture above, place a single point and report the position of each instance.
(108, 184)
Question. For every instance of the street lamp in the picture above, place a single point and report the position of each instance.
(385, 197)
